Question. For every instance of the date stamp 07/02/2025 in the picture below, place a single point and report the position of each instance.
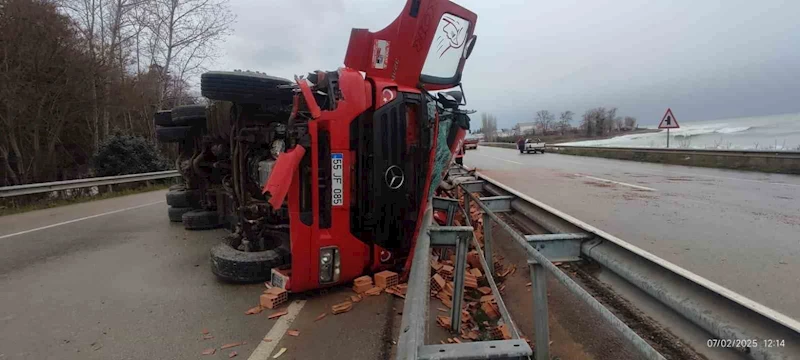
(745, 343)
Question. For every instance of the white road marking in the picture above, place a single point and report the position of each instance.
(493, 157)
(264, 349)
(617, 182)
(80, 219)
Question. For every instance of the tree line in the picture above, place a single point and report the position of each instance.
(75, 72)
(595, 122)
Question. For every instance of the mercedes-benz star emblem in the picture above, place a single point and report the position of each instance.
(394, 177)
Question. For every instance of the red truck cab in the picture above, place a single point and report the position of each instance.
(370, 161)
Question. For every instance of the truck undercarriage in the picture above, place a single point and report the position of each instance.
(324, 178)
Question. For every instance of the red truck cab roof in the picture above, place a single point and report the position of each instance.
(426, 46)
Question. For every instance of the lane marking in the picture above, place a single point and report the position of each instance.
(617, 182)
(264, 349)
(493, 157)
(80, 219)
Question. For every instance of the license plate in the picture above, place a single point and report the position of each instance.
(337, 186)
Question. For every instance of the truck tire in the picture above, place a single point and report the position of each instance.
(183, 198)
(163, 118)
(173, 134)
(245, 87)
(176, 213)
(200, 220)
(177, 187)
(189, 115)
(231, 265)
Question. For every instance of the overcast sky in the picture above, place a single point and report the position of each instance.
(704, 59)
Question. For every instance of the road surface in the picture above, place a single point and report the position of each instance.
(739, 229)
(113, 279)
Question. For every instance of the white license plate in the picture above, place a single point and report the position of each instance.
(337, 186)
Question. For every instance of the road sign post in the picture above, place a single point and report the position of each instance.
(668, 122)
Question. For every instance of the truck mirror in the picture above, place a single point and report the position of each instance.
(470, 45)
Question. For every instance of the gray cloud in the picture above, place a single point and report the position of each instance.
(706, 60)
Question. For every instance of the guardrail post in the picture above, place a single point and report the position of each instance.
(487, 241)
(462, 242)
(540, 314)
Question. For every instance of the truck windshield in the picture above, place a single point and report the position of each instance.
(448, 48)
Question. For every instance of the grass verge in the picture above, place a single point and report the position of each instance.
(14, 206)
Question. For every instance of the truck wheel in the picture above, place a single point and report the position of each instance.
(163, 118)
(232, 265)
(182, 198)
(176, 213)
(200, 220)
(460, 161)
(245, 87)
(177, 187)
(189, 115)
(173, 134)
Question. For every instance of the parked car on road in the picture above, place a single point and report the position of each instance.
(532, 146)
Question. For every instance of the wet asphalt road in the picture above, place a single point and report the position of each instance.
(739, 229)
(131, 285)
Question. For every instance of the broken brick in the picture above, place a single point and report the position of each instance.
(293, 332)
(485, 290)
(254, 310)
(473, 259)
(273, 297)
(443, 321)
(205, 331)
(385, 279)
(277, 314)
(210, 351)
(476, 273)
(436, 265)
(505, 333)
(490, 310)
(437, 283)
(487, 298)
(373, 291)
(341, 307)
(361, 288)
(447, 272)
(355, 298)
(232, 354)
(321, 316)
(230, 345)
(363, 280)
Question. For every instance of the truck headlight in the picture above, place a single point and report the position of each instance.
(329, 264)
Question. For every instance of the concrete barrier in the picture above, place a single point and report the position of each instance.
(784, 162)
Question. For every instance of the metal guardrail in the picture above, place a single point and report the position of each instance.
(722, 313)
(717, 152)
(17, 190)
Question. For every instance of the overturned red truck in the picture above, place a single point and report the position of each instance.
(327, 177)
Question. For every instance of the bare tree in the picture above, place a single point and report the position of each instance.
(630, 122)
(544, 120)
(488, 125)
(183, 34)
(588, 122)
(564, 121)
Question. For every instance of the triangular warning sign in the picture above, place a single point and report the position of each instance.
(668, 121)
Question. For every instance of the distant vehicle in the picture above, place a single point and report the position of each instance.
(471, 143)
(532, 146)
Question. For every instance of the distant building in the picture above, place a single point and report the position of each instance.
(524, 128)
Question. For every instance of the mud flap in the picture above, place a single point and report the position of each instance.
(281, 177)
